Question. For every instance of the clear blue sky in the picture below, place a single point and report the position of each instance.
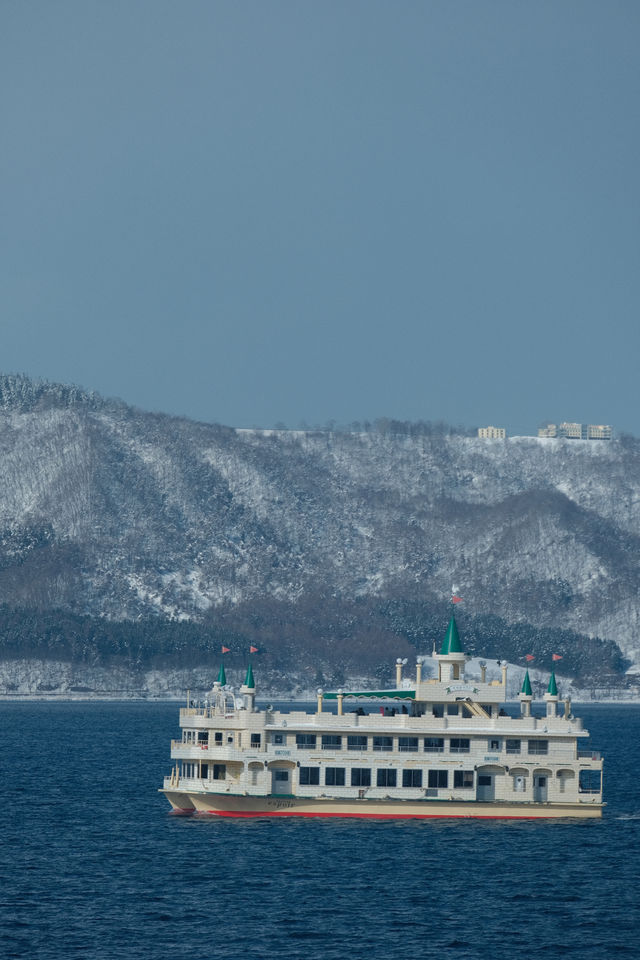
(257, 211)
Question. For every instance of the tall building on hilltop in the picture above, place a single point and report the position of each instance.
(492, 433)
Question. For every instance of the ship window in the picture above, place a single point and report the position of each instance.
(277, 738)
(412, 778)
(538, 747)
(334, 776)
(434, 745)
(459, 745)
(513, 746)
(463, 779)
(204, 771)
(218, 737)
(360, 777)
(386, 778)
(408, 744)
(438, 778)
(203, 736)
(453, 709)
(356, 743)
(309, 776)
(589, 781)
(305, 741)
(494, 745)
(255, 739)
(487, 708)
(281, 775)
(484, 780)
(383, 743)
(331, 741)
(219, 771)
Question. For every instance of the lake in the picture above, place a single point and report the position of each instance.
(92, 865)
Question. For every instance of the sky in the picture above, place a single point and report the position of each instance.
(256, 212)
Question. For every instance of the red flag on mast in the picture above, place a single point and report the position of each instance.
(529, 657)
(456, 599)
(253, 649)
(226, 649)
(556, 656)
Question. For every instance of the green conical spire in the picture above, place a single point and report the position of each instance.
(451, 642)
(248, 680)
(222, 677)
(553, 687)
(526, 685)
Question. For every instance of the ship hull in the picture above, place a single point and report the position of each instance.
(229, 805)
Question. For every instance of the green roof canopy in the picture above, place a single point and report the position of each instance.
(526, 685)
(553, 687)
(222, 677)
(375, 694)
(248, 680)
(451, 642)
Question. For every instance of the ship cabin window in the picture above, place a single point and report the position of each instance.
(453, 709)
(437, 710)
(513, 746)
(538, 747)
(277, 739)
(463, 779)
(360, 777)
(218, 738)
(386, 778)
(305, 741)
(487, 707)
(438, 778)
(434, 744)
(494, 745)
(188, 769)
(255, 739)
(334, 776)
(412, 778)
(383, 743)
(356, 743)
(408, 744)
(281, 776)
(331, 741)
(590, 781)
(484, 780)
(203, 736)
(204, 771)
(189, 736)
(219, 771)
(309, 776)
(459, 745)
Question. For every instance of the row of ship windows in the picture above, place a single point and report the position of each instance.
(307, 741)
(329, 741)
(361, 777)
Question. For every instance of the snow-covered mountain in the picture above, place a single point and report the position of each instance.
(110, 511)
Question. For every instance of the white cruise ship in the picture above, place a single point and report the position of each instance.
(438, 747)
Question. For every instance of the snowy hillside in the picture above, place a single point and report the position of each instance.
(110, 511)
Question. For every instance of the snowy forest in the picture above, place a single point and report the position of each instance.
(129, 537)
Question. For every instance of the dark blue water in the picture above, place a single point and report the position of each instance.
(92, 865)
